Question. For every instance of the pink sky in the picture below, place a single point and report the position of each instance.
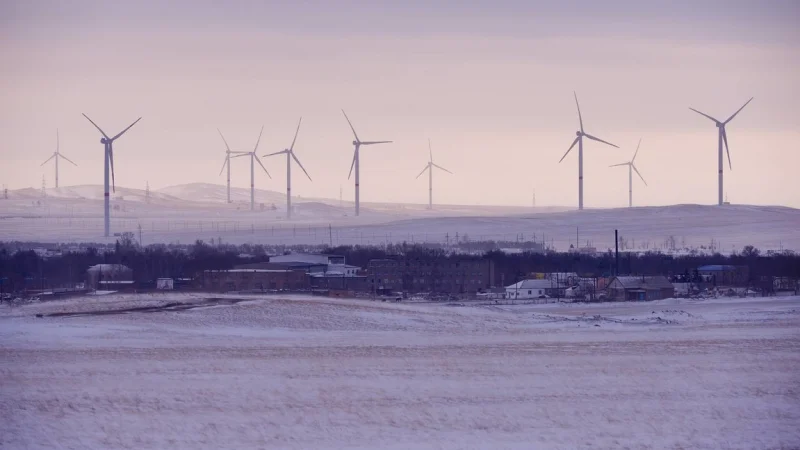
(491, 86)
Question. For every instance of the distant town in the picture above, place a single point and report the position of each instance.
(475, 271)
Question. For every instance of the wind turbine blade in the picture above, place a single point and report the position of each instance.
(223, 140)
(240, 154)
(598, 140)
(620, 164)
(62, 156)
(423, 171)
(353, 164)
(259, 140)
(126, 129)
(276, 153)
(727, 150)
(442, 168)
(301, 165)
(95, 125)
(580, 119)
(375, 142)
(351, 126)
(262, 165)
(570, 148)
(111, 159)
(430, 151)
(48, 160)
(223, 166)
(295, 134)
(737, 111)
(637, 151)
(637, 173)
(704, 114)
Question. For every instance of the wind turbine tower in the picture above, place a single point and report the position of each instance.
(289, 156)
(357, 143)
(108, 150)
(429, 167)
(253, 157)
(227, 162)
(631, 169)
(579, 140)
(722, 137)
(56, 155)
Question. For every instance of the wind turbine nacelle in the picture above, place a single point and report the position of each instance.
(719, 125)
(355, 142)
(103, 140)
(578, 133)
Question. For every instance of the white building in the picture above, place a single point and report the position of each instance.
(319, 264)
(529, 289)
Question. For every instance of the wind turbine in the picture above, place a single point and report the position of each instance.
(579, 140)
(227, 162)
(109, 162)
(429, 167)
(631, 168)
(357, 144)
(289, 156)
(56, 155)
(253, 157)
(723, 137)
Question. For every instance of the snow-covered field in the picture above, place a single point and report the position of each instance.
(314, 373)
(186, 213)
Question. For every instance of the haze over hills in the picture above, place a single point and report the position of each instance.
(184, 213)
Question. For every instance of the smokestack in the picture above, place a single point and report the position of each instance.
(616, 252)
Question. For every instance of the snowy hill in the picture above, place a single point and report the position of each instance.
(185, 213)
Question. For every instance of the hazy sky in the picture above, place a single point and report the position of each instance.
(489, 82)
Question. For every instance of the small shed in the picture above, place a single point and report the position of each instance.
(632, 288)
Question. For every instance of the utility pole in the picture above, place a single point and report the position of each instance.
(140, 236)
(616, 252)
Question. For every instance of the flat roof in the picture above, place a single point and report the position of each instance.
(251, 271)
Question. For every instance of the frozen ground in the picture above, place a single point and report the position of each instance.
(307, 373)
(186, 213)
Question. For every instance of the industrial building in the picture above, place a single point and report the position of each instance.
(725, 275)
(334, 264)
(254, 280)
(109, 277)
(632, 288)
(435, 275)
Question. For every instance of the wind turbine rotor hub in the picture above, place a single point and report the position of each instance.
(355, 142)
(578, 133)
(103, 140)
